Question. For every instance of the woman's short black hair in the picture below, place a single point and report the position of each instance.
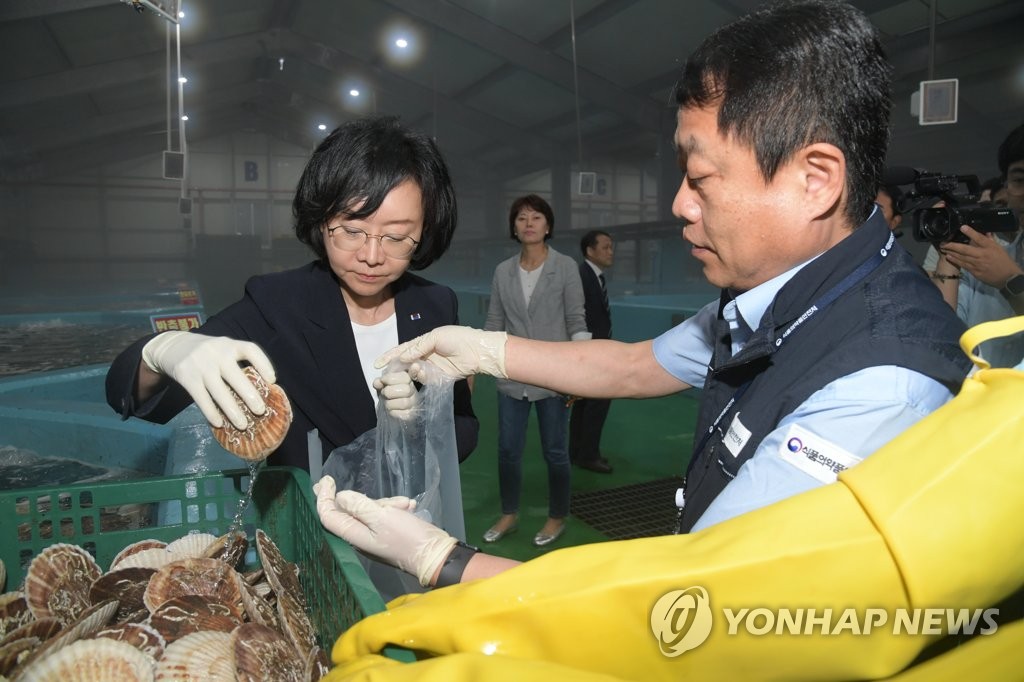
(360, 162)
(537, 204)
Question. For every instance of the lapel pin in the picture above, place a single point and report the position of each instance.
(414, 316)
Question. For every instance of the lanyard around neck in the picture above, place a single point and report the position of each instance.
(826, 299)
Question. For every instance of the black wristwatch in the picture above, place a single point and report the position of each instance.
(1014, 287)
(455, 564)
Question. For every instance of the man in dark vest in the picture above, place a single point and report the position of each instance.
(827, 340)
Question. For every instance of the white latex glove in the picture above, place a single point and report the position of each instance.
(385, 528)
(457, 351)
(207, 367)
(398, 392)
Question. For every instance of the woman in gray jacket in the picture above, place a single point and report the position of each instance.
(536, 294)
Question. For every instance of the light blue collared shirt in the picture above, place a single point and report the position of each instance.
(858, 413)
(978, 302)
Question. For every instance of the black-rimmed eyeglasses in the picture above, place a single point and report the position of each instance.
(352, 239)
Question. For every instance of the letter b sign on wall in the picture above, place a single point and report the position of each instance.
(252, 171)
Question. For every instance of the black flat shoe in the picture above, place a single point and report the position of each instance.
(599, 466)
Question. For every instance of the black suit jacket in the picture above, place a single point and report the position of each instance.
(300, 321)
(599, 321)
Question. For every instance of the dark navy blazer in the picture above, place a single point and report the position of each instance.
(299, 319)
(599, 319)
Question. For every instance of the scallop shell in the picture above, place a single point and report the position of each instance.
(42, 629)
(143, 637)
(139, 616)
(264, 655)
(13, 653)
(264, 433)
(126, 585)
(154, 557)
(14, 612)
(258, 609)
(91, 620)
(184, 615)
(264, 590)
(281, 573)
(191, 546)
(229, 548)
(317, 664)
(135, 548)
(92, 660)
(254, 576)
(199, 656)
(296, 624)
(208, 577)
(58, 580)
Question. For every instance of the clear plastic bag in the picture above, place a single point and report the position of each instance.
(416, 457)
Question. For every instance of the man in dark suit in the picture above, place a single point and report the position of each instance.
(588, 414)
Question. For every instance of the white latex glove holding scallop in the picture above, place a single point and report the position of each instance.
(207, 367)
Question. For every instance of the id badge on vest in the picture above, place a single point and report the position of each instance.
(736, 436)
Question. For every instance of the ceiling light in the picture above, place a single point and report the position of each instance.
(353, 92)
(184, 117)
(321, 127)
(182, 79)
(280, 63)
(401, 44)
(181, 15)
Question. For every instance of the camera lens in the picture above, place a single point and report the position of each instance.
(934, 224)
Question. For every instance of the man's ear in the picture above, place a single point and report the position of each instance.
(821, 169)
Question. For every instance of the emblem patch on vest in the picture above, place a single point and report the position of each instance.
(814, 455)
(736, 437)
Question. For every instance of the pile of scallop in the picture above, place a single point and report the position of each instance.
(164, 611)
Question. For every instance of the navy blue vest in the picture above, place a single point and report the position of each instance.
(893, 316)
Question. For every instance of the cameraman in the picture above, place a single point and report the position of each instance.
(888, 199)
(983, 280)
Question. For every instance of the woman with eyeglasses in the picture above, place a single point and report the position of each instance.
(374, 202)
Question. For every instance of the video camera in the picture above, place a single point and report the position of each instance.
(960, 194)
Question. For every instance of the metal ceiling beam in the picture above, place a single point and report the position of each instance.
(984, 31)
(478, 31)
(337, 60)
(600, 14)
(131, 141)
(283, 12)
(13, 10)
(603, 12)
(124, 71)
(111, 124)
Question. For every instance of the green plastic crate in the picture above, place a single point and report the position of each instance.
(105, 517)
